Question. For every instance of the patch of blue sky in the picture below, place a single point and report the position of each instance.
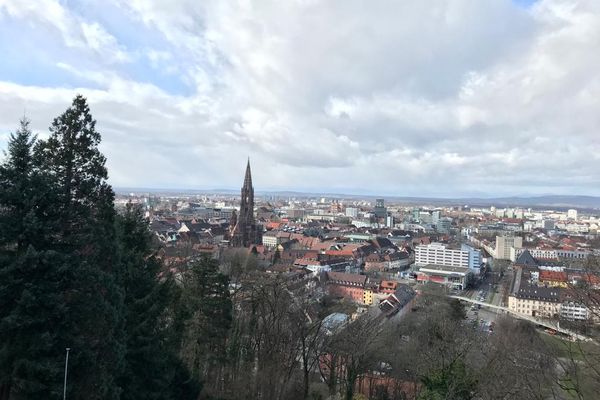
(524, 3)
(141, 70)
(31, 54)
(139, 40)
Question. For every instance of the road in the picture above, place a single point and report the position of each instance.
(545, 323)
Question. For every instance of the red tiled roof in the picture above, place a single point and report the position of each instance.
(555, 276)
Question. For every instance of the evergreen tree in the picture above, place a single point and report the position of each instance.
(29, 307)
(207, 311)
(85, 255)
(152, 369)
(24, 195)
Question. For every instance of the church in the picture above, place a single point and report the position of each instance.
(244, 231)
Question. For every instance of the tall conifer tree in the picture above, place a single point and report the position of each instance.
(85, 254)
(152, 368)
(29, 305)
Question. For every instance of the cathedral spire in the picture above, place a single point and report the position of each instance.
(248, 177)
(245, 231)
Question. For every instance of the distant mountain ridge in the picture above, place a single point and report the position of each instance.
(552, 201)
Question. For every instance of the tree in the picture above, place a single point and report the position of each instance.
(19, 178)
(85, 255)
(354, 350)
(206, 313)
(151, 363)
(29, 304)
(516, 363)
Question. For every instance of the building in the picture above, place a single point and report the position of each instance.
(350, 286)
(244, 230)
(573, 311)
(504, 244)
(387, 261)
(273, 239)
(296, 213)
(380, 211)
(397, 300)
(388, 287)
(389, 221)
(552, 278)
(269, 239)
(531, 300)
(551, 254)
(535, 301)
(453, 277)
(475, 259)
(438, 254)
(352, 212)
(572, 214)
(444, 225)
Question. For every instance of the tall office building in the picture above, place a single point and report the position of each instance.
(380, 211)
(504, 244)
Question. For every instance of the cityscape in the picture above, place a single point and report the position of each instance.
(299, 200)
(527, 264)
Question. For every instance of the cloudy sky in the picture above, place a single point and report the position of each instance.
(430, 98)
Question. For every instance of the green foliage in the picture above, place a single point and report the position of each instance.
(58, 285)
(457, 310)
(205, 310)
(452, 382)
(151, 363)
(30, 310)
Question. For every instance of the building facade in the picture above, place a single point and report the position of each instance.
(504, 244)
(438, 254)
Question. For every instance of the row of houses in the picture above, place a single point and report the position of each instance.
(360, 289)
(553, 292)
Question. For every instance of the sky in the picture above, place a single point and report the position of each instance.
(440, 98)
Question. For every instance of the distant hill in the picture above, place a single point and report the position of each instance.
(546, 201)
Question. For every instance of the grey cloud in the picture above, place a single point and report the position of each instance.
(416, 98)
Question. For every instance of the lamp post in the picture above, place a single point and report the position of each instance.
(66, 367)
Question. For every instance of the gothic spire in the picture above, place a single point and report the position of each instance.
(248, 177)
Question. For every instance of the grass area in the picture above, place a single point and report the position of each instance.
(565, 348)
(585, 355)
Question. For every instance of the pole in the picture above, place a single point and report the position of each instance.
(66, 367)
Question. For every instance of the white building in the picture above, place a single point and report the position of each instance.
(269, 239)
(389, 221)
(352, 212)
(438, 254)
(551, 254)
(573, 311)
(572, 214)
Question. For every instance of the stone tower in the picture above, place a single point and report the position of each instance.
(245, 231)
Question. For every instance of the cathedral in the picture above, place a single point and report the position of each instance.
(243, 228)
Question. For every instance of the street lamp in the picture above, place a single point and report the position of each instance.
(66, 367)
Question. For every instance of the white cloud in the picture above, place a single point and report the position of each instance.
(431, 97)
(74, 31)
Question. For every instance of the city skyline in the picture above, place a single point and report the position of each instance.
(440, 99)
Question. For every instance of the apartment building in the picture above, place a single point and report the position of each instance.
(504, 246)
(534, 301)
(438, 254)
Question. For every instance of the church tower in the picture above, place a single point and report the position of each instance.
(245, 231)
